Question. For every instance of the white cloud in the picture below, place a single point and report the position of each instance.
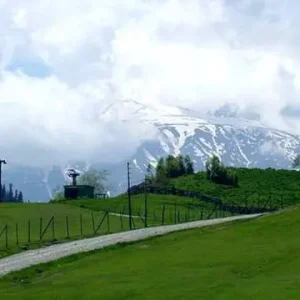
(194, 53)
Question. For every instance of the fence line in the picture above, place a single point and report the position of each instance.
(43, 232)
(36, 232)
(4, 230)
(139, 189)
(207, 208)
(100, 224)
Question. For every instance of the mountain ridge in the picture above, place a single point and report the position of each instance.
(240, 142)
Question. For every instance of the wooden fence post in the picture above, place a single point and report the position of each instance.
(81, 228)
(108, 223)
(93, 222)
(53, 228)
(6, 237)
(28, 232)
(41, 227)
(121, 220)
(67, 227)
(163, 215)
(17, 234)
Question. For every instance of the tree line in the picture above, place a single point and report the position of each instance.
(218, 173)
(169, 168)
(10, 195)
(173, 167)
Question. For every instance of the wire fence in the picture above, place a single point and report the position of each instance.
(40, 232)
(247, 208)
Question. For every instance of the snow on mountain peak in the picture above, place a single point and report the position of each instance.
(124, 110)
(238, 141)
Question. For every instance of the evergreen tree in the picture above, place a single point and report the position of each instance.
(181, 166)
(20, 197)
(10, 193)
(172, 167)
(161, 176)
(3, 193)
(189, 166)
(218, 173)
(212, 167)
(149, 175)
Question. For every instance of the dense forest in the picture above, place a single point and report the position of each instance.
(10, 195)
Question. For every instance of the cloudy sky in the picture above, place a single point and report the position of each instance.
(61, 62)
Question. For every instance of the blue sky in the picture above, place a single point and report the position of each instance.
(31, 68)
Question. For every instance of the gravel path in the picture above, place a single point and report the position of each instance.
(38, 256)
(125, 216)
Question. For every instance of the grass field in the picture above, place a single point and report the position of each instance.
(256, 259)
(70, 221)
(256, 187)
(183, 207)
(76, 219)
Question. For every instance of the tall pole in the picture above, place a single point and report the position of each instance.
(129, 196)
(0, 180)
(2, 161)
(146, 201)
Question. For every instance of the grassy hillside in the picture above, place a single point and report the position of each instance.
(256, 259)
(25, 222)
(155, 204)
(81, 218)
(256, 186)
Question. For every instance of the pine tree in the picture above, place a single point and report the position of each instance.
(172, 167)
(4, 194)
(189, 166)
(181, 166)
(20, 197)
(213, 167)
(218, 173)
(10, 193)
(161, 176)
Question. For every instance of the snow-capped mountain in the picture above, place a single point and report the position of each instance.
(238, 141)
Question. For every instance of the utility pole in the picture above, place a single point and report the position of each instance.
(129, 196)
(2, 161)
(146, 201)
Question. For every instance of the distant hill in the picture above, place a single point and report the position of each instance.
(255, 186)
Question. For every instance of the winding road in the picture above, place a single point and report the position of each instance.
(39, 256)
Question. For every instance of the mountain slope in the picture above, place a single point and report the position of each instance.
(238, 141)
